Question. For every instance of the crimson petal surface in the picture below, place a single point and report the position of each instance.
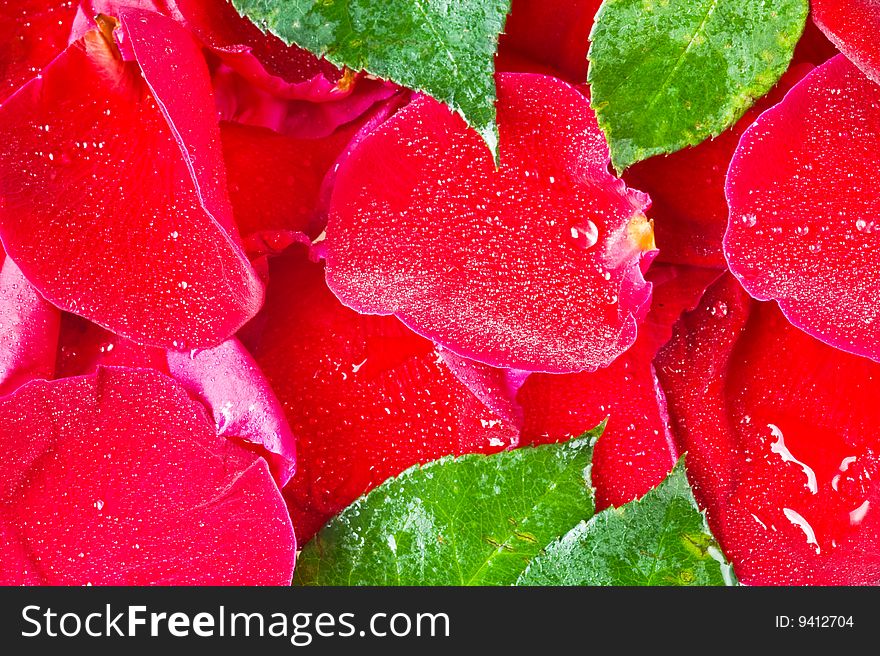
(110, 216)
(635, 451)
(119, 478)
(534, 265)
(803, 199)
(781, 434)
(365, 396)
(852, 26)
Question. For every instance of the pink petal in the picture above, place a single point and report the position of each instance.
(225, 379)
(781, 433)
(118, 479)
(803, 207)
(28, 330)
(535, 265)
(183, 93)
(111, 216)
(365, 396)
(496, 388)
(262, 58)
(635, 451)
(84, 346)
(316, 115)
(228, 381)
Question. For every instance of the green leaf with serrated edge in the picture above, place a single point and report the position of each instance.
(445, 49)
(665, 74)
(661, 539)
(472, 520)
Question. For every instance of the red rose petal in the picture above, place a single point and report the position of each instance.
(803, 207)
(275, 180)
(635, 452)
(184, 95)
(225, 379)
(32, 33)
(365, 396)
(781, 433)
(228, 381)
(261, 58)
(312, 117)
(813, 47)
(118, 478)
(28, 330)
(533, 266)
(554, 33)
(103, 214)
(687, 188)
(84, 346)
(496, 388)
(852, 26)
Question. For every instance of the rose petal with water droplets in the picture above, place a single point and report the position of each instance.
(365, 396)
(118, 478)
(781, 433)
(32, 33)
(533, 266)
(852, 26)
(84, 346)
(262, 59)
(228, 381)
(635, 451)
(241, 101)
(496, 388)
(111, 216)
(804, 225)
(225, 379)
(28, 330)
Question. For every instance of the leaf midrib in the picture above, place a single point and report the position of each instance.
(512, 533)
(681, 58)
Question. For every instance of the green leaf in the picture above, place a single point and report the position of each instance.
(443, 48)
(661, 539)
(472, 520)
(665, 74)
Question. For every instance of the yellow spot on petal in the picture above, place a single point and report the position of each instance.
(640, 231)
(106, 26)
(346, 81)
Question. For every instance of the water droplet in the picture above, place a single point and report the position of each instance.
(798, 520)
(856, 516)
(585, 235)
(779, 448)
